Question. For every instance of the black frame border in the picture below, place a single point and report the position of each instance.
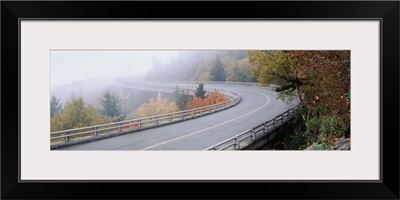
(386, 11)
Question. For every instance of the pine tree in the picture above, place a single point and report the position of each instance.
(200, 92)
(112, 106)
(176, 93)
(217, 72)
(55, 105)
(181, 98)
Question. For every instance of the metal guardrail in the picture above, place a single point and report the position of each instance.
(205, 82)
(247, 137)
(190, 85)
(192, 82)
(152, 120)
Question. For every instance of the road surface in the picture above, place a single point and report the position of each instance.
(257, 106)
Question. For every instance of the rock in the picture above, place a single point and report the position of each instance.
(342, 144)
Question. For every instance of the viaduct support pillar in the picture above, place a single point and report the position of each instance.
(159, 96)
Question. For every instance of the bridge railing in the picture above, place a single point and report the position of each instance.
(130, 81)
(247, 137)
(181, 85)
(120, 126)
(208, 82)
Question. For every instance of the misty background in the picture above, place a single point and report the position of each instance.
(85, 82)
(90, 74)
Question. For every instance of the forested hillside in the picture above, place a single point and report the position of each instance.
(204, 66)
(320, 80)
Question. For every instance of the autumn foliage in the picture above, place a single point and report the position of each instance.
(156, 107)
(326, 81)
(210, 99)
(76, 114)
(320, 80)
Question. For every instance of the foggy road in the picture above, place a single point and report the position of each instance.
(257, 106)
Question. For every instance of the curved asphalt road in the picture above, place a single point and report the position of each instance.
(257, 106)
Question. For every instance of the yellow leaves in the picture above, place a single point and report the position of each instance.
(157, 107)
(75, 114)
(302, 75)
(56, 123)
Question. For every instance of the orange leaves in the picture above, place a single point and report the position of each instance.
(215, 98)
(210, 99)
(196, 102)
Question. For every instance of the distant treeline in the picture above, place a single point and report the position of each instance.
(227, 65)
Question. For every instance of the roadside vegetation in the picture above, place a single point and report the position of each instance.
(77, 113)
(319, 80)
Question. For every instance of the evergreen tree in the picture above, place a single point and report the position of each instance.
(217, 72)
(176, 93)
(181, 98)
(200, 92)
(55, 105)
(112, 106)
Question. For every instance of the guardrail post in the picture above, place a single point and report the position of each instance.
(192, 113)
(119, 127)
(236, 145)
(66, 137)
(274, 121)
(201, 111)
(253, 135)
(95, 133)
(265, 128)
(140, 123)
(156, 122)
(169, 117)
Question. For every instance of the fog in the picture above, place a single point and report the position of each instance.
(71, 66)
(89, 74)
